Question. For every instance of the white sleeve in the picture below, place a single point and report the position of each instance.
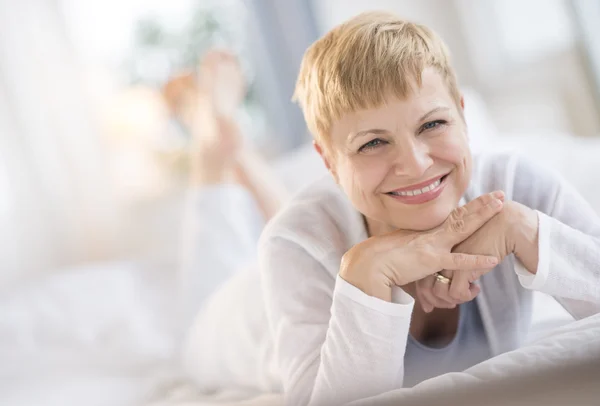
(334, 343)
(568, 240)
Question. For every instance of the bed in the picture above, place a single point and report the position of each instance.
(104, 335)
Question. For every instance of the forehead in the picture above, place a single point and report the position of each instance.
(395, 112)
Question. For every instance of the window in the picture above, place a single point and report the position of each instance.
(587, 14)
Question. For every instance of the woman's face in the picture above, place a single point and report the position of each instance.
(405, 164)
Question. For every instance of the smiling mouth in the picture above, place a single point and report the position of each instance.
(418, 191)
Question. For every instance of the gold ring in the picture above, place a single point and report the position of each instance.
(442, 278)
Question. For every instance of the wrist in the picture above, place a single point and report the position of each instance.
(522, 228)
(358, 270)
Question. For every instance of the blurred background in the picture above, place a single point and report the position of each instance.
(92, 166)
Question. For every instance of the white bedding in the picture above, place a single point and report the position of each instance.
(576, 342)
(103, 335)
(95, 335)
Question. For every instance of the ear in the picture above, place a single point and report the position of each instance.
(462, 107)
(326, 159)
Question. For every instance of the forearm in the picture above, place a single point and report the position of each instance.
(363, 353)
(335, 343)
(565, 261)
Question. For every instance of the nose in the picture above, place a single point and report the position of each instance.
(413, 160)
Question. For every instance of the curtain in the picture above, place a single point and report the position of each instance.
(56, 201)
(280, 32)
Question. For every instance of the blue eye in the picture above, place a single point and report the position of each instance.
(371, 144)
(432, 124)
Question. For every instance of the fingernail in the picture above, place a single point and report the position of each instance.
(498, 194)
(496, 203)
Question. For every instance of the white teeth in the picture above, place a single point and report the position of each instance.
(417, 192)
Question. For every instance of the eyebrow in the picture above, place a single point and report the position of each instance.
(378, 131)
(432, 112)
(374, 131)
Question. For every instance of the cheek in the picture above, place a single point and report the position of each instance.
(452, 147)
(362, 175)
(453, 151)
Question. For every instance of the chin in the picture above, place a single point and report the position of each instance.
(427, 221)
(425, 218)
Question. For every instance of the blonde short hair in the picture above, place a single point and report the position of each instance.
(359, 63)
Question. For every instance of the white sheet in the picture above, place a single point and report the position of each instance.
(575, 342)
(103, 335)
(97, 335)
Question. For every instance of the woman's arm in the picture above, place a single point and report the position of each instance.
(563, 259)
(342, 337)
(333, 343)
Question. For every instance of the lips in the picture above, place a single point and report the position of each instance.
(420, 192)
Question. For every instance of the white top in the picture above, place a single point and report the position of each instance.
(332, 343)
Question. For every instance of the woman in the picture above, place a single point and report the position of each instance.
(369, 276)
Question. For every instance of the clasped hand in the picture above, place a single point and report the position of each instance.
(471, 242)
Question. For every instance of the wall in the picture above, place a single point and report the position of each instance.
(441, 15)
(491, 43)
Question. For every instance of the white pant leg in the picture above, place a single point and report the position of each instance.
(221, 227)
(227, 338)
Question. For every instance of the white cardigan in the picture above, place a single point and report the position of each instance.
(332, 343)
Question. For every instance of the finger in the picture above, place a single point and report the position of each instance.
(475, 289)
(428, 293)
(462, 225)
(464, 221)
(450, 275)
(447, 273)
(435, 301)
(460, 288)
(442, 292)
(464, 287)
(476, 204)
(466, 262)
(421, 285)
(425, 293)
(425, 304)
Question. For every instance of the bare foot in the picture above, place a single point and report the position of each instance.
(220, 79)
(180, 93)
(206, 104)
(217, 138)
